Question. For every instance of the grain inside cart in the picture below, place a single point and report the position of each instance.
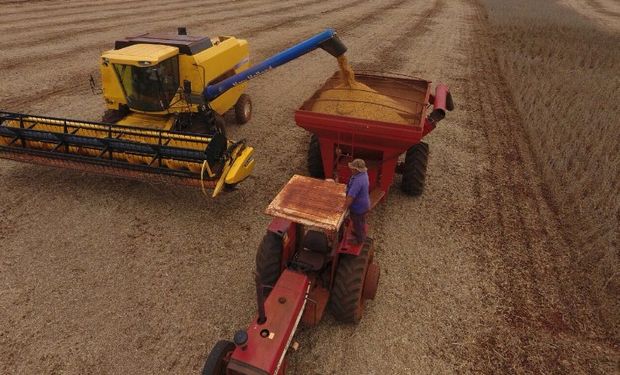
(337, 139)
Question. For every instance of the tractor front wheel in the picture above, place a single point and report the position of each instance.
(414, 169)
(268, 259)
(218, 358)
(351, 287)
(315, 162)
(243, 109)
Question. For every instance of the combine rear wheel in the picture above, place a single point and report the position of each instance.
(268, 259)
(243, 109)
(355, 281)
(218, 358)
(414, 169)
(315, 162)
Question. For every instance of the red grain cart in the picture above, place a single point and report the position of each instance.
(336, 140)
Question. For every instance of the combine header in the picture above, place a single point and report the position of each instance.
(122, 151)
(165, 97)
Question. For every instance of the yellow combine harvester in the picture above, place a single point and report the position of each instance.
(165, 96)
(151, 80)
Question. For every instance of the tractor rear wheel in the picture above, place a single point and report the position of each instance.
(268, 259)
(243, 109)
(348, 299)
(315, 162)
(218, 358)
(414, 169)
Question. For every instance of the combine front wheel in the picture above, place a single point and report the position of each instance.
(353, 285)
(218, 358)
(414, 169)
(243, 109)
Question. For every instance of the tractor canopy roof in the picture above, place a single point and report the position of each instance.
(310, 201)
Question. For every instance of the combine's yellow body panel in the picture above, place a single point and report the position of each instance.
(242, 166)
(227, 56)
(147, 120)
(140, 54)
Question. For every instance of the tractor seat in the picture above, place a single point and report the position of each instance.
(315, 248)
(316, 241)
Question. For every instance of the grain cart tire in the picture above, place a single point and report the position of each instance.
(268, 260)
(243, 109)
(347, 301)
(218, 358)
(315, 162)
(414, 169)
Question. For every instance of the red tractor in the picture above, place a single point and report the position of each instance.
(304, 265)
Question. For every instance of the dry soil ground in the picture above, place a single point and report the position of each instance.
(604, 12)
(101, 275)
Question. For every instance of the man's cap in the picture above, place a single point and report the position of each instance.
(359, 165)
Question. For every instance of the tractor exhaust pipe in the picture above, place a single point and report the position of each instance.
(260, 300)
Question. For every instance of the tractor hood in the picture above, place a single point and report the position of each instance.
(141, 55)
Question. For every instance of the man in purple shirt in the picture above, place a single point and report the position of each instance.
(358, 199)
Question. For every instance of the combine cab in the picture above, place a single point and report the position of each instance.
(157, 80)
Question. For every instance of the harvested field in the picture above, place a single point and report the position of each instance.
(107, 276)
(562, 71)
(605, 13)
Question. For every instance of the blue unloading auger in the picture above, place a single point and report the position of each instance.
(327, 40)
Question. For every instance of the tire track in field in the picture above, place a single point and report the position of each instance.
(596, 11)
(521, 246)
(390, 53)
(50, 22)
(257, 30)
(33, 12)
(600, 8)
(342, 26)
(160, 15)
(216, 18)
(67, 87)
